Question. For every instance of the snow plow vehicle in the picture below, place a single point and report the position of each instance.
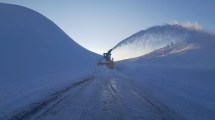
(106, 60)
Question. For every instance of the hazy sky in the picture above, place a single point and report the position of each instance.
(98, 25)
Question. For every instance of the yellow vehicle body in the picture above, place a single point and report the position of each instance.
(109, 64)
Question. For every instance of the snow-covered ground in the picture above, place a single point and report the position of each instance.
(131, 91)
(45, 75)
(189, 92)
(107, 95)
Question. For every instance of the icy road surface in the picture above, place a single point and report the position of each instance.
(104, 96)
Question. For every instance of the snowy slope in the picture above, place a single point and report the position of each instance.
(36, 55)
(151, 39)
(179, 76)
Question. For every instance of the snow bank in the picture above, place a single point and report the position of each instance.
(187, 91)
(36, 57)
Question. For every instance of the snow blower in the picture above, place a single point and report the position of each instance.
(106, 60)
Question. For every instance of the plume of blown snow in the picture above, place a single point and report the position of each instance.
(149, 40)
(189, 25)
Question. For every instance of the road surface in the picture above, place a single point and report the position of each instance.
(103, 96)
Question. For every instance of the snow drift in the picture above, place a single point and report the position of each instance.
(36, 54)
(151, 39)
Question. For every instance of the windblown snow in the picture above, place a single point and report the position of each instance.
(149, 40)
(195, 51)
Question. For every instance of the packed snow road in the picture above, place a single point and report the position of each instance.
(107, 95)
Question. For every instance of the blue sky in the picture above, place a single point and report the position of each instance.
(98, 25)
